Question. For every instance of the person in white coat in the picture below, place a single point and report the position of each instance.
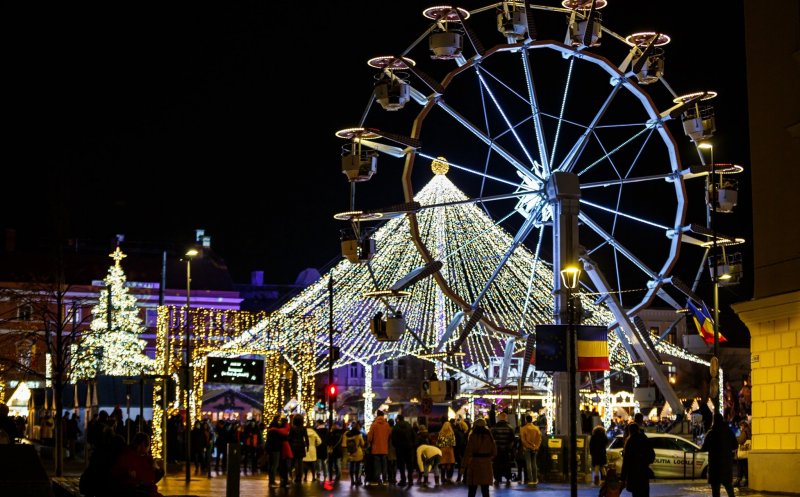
(310, 459)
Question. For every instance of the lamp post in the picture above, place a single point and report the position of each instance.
(569, 277)
(711, 206)
(330, 354)
(187, 387)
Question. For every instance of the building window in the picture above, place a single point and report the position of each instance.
(151, 318)
(388, 370)
(25, 312)
(401, 369)
(354, 370)
(72, 315)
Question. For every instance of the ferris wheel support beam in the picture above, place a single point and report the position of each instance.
(563, 192)
(625, 327)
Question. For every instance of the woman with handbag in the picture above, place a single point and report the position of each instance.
(744, 440)
(720, 442)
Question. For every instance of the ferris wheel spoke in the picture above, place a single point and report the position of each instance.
(509, 127)
(607, 154)
(482, 199)
(575, 153)
(619, 213)
(481, 173)
(618, 276)
(561, 111)
(627, 181)
(531, 279)
(535, 112)
(618, 247)
(487, 140)
(521, 235)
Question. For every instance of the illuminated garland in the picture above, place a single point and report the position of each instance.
(427, 311)
(117, 351)
(214, 332)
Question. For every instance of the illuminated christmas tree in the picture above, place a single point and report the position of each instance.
(118, 350)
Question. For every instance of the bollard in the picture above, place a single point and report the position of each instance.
(232, 478)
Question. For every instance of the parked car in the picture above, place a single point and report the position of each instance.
(676, 457)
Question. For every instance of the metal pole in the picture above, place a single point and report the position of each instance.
(714, 266)
(330, 354)
(573, 394)
(188, 381)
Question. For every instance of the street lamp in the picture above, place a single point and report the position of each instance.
(190, 254)
(570, 276)
(711, 209)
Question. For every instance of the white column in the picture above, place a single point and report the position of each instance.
(368, 396)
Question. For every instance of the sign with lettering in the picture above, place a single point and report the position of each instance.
(234, 370)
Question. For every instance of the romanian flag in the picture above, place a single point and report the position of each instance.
(704, 322)
(592, 348)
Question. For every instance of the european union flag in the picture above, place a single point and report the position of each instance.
(551, 347)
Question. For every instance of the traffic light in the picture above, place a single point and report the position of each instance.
(332, 391)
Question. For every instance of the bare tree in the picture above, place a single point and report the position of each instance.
(52, 314)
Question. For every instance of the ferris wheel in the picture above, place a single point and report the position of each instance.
(559, 145)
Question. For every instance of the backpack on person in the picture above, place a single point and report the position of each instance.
(352, 446)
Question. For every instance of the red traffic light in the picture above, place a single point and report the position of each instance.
(332, 391)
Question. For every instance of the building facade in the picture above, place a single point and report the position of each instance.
(773, 315)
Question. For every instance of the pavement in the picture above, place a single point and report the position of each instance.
(175, 486)
(218, 485)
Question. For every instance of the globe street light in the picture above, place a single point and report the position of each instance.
(191, 253)
(570, 276)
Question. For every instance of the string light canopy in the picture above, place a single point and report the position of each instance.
(427, 311)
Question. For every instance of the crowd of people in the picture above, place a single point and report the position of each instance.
(293, 449)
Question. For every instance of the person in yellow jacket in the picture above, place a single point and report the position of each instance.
(353, 442)
(531, 438)
(428, 457)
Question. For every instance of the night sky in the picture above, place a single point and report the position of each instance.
(155, 118)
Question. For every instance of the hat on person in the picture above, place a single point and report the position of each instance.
(480, 422)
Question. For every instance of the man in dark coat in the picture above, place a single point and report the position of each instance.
(504, 439)
(335, 441)
(720, 442)
(403, 440)
(638, 455)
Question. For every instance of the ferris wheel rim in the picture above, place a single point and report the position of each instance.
(654, 118)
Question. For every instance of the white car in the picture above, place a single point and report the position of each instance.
(676, 457)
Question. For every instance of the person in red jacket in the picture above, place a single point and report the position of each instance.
(378, 438)
(136, 470)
